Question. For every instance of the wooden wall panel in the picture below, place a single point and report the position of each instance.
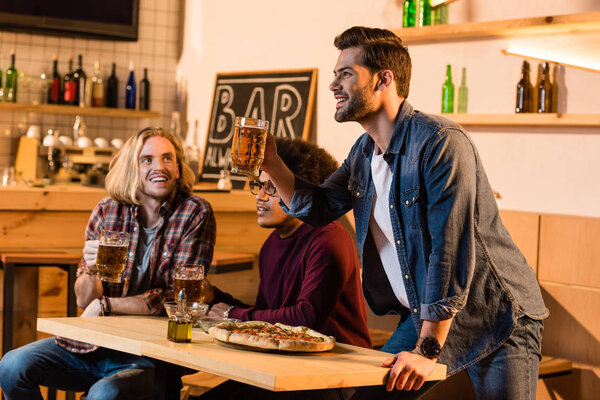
(572, 330)
(524, 230)
(570, 250)
(45, 230)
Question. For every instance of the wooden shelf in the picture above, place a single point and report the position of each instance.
(522, 27)
(75, 110)
(521, 120)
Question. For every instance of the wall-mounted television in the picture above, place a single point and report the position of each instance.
(101, 19)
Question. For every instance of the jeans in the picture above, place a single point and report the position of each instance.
(103, 374)
(509, 373)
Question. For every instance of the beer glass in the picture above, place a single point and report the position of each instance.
(248, 145)
(112, 255)
(190, 278)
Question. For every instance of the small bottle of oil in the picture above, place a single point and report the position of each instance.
(180, 323)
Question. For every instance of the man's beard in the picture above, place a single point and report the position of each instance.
(357, 108)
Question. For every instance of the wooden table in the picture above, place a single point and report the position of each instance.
(344, 366)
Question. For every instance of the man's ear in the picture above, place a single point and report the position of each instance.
(386, 77)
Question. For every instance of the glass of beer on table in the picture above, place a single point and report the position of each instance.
(248, 145)
(112, 255)
(190, 278)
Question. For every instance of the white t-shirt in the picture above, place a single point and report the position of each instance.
(380, 224)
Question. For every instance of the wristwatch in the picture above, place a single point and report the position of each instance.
(430, 347)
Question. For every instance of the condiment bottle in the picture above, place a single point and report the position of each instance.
(180, 324)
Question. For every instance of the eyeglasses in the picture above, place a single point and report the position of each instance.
(267, 187)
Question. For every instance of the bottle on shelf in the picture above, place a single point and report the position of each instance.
(145, 92)
(112, 88)
(409, 15)
(448, 92)
(80, 81)
(424, 12)
(97, 87)
(554, 84)
(463, 93)
(535, 88)
(54, 93)
(69, 85)
(561, 89)
(440, 14)
(544, 91)
(524, 91)
(10, 88)
(130, 89)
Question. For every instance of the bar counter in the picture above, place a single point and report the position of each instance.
(54, 218)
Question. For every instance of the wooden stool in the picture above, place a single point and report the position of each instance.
(10, 261)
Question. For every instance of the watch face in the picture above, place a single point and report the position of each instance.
(430, 347)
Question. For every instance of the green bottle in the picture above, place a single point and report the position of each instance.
(10, 90)
(409, 13)
(448, 92)
(463, 93)
(424, 12)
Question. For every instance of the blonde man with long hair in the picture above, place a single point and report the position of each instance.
(149, 186)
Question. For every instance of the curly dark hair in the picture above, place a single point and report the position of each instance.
(382, 50)
(307, 160)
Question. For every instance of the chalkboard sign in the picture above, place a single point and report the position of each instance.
(284, 98)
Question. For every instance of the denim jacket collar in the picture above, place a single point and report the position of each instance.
(402, 124)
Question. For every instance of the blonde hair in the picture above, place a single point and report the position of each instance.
(123, 179)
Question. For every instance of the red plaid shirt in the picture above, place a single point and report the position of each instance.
(186, 235)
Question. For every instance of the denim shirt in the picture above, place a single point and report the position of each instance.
(457, 258)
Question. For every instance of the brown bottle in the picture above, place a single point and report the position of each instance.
(524, 91)
(544, 91)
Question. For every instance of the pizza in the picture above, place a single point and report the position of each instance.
(264, 335)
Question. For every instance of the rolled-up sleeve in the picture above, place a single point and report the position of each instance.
(449, 168)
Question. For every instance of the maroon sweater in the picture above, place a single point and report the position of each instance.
(310, 278)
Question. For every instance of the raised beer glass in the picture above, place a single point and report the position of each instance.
(248, 145)
(190, 278)
(112, 255)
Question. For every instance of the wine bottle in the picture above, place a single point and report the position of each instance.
(10, 89)
(97, 87)
(69, 85)
(80, 80)
(463, 93)
(130, 89)
(54, 94)
(112, 88)
(524, 91)
(448, 92)
(424, 12)
(145, 92)
(409, 13)
(544, 90)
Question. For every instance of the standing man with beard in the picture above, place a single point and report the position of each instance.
(432, 245)
(149, 186)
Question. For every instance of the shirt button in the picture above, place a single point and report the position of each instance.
(357, 194)
(165, 253)
(415, 310)
(407, 202)
(131, 254)
(391, 206)
(406, 276)
(135, 228)
(397, 242)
